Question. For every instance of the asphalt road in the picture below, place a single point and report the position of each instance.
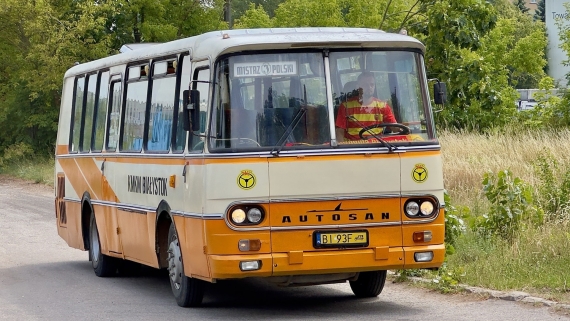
(41, 278)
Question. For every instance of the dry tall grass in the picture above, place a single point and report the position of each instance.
(467, 156)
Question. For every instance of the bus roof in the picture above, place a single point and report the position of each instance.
(215, 43)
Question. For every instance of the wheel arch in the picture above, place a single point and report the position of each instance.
(86, 210)
(163, 221)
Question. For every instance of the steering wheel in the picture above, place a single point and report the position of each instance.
(404, 130)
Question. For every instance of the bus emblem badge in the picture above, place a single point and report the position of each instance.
(419, 173)
(246, 179)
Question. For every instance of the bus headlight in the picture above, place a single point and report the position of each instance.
(421, 208)
(412, 208)
(254, 215)
(238, 216)
(426, 208)
(243, 215)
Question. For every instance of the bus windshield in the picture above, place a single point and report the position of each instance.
(279, 100)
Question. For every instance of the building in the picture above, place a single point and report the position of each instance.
(556, 12)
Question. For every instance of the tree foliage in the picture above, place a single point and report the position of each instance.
(480, 48)
(540, 13)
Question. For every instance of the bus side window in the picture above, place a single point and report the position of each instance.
(113, 115)
(196, 143)
(101, 111)
(180, 133)
(89, 112)
(131, 138)
(161, 106)
(77, 113)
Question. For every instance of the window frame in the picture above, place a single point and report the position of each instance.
(96, 110)
(72, 121)
(151, 79)
(126, 83)
(113, 79)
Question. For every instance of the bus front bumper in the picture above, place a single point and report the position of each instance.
(325, 262)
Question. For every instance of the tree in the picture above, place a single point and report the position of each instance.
(254, 18)
(521, 4)
(540, 13)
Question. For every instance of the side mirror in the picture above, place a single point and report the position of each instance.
(440, 93)
(191, 109)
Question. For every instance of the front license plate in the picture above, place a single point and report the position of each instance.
(340, 239)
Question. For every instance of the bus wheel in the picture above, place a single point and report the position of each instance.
(187, 291)
(368, 284)
(103, 265)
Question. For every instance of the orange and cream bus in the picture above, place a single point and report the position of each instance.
(217, 157)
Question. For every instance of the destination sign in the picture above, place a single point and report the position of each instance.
(263, 69)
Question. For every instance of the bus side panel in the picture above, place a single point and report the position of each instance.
(191, 234)
(108, 233)
(74, 235)
(137, 236)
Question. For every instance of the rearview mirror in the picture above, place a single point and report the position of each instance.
(440, 93)
(191, 109)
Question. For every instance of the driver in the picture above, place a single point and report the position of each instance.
(362, 111)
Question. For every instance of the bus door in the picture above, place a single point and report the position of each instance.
(107, 165)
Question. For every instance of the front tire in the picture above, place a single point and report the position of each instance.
(369, 284)
(188, 292)
(103, 265)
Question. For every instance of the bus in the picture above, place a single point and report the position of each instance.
(217, 157)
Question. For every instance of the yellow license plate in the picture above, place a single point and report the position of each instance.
(340, 239)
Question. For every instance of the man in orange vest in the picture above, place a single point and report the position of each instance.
(362, 111)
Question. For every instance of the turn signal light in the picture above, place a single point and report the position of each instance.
(249, 245)
(420, 237)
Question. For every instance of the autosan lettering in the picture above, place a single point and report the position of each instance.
(337, 214)
(148, 185)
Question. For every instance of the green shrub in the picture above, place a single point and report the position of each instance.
(454, 224)
(17, 153)
(512, 204)
(553, 190)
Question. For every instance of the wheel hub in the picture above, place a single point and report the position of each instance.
(175, 268)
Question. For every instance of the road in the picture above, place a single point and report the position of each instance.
(41, 278)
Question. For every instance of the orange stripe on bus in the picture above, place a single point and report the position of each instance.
(84, 176)
(61, 149)
(75, 177)
(92, 174)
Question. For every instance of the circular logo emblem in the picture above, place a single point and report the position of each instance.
(266, 69)
(246, 179)
(420, 173)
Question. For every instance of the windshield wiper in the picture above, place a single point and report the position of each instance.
(390, 147)
(296, 119)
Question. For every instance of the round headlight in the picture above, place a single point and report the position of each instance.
(412, 208)
(238, 216)
(254, 215)
(426, 208)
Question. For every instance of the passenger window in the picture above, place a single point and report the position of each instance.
(135, 109)
(180, 137)
(101, 111)
(161, 106)
(196, 142)
(113, 115)
(89, 109)
(77, 113)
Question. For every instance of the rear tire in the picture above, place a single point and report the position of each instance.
(369, 284)
(188, 292)
(103, 265)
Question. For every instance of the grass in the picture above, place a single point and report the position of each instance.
(536, 260)
(40, 171)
